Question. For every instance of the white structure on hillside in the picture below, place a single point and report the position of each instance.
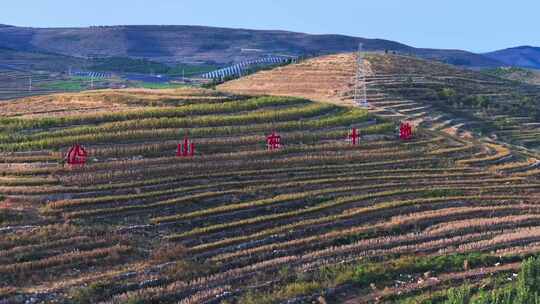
(241, 68)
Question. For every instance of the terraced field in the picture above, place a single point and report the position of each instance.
(319, 220)
(431, 94)
(102, 101)
(457, 101)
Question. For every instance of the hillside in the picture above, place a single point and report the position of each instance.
(11, 59)
(435, 95)
(101, 102)
(319, 219)
(530, 76)
(459, 100)
(522, 56)
(198, 44)
(327, 78)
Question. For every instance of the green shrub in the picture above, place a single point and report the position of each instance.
(525, 291)
(459, 295)
(299, 288)
(90, 294)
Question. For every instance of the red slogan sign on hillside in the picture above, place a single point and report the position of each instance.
(77, 155)
(354, 136)
(273, 142)
(186, 149)
(405, 131)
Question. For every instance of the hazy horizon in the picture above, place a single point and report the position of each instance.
(456, 24)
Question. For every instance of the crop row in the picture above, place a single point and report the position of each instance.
(173, 133)
(63, 259)
(395, 223)
(347, 214)
(184, 110)
(326, 205)
(275, 172)
(212, 120)
(297, 181)
(167, 203)
(37, 235)
(402, 181)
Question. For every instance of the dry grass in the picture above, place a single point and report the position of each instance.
(100, 101)
(328, 79)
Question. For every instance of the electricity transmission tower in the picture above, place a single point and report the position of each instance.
(30, 84)
(360, 90)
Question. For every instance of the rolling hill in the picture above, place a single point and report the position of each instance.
(522, 56)
(26, 61)
(198, 44)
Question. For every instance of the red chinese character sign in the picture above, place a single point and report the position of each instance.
(186, 149)
(405, 131)
(77, 155)
(273, 142)
(354, 136)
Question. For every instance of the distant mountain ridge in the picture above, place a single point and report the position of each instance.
(200, 44)
(521, 56)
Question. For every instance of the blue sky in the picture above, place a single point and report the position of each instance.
(475, 25)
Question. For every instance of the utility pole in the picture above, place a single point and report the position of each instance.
(360, 90)
(361, 94)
